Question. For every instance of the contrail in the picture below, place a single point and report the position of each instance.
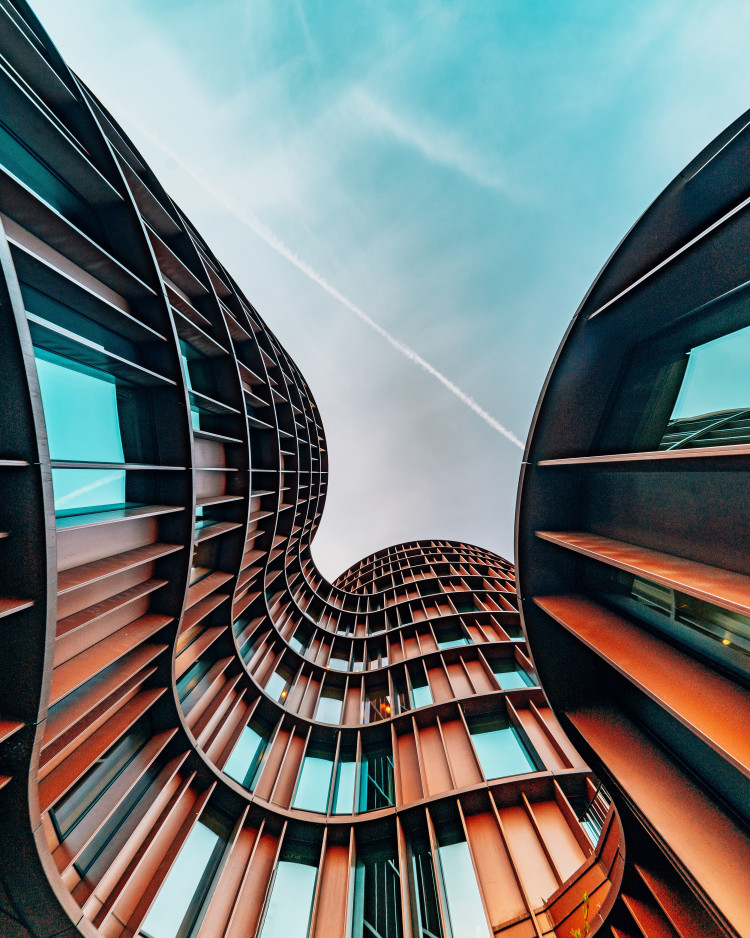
(265, 234)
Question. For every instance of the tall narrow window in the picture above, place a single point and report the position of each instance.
(188, 883)
(425, 906)
(376, 779)
(246, 759)
(499, 747)
(346, 777)
(376, 899)
(421, 695)
(289, 905)
(459, 886)
(278, 684)
(314, 782)
(72, 808)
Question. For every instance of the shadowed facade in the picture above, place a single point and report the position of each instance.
(632, 546)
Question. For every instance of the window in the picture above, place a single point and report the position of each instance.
(376, 899)
(425, 906)
(68, 392)
(289, 905)
(719, 634)
(329, 705)
(450, 635)
(376, 788)
(191, 677)
(377, 705)
(499, 748)
(299, 641)
(73, 807)
(459, 886)
(421, 695)
(509, 674)
(713, 404)
(314, 782)
(246, 759)
(278, 684)
(339, 661)
(188, 882)
(346, 777)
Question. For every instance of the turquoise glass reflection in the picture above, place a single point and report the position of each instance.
(346, 777)
(243, 765)
(82, 490)
(420, 695)
(500, 751)
(459, 883)
(290, 903)
(80, 411)
(716, 378)
(509, 675)
(182, 884)
(314, 784)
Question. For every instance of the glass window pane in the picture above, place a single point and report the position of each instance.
(314, 784)
(376, 901)
(346, 774)
(182, 884)
(509, 674)
(290, 903)
(244, 763)
(277, 686)
(420, 695)
(500, 749)
(463, 899)
(329, 709)
(82, 490)
(67, 394)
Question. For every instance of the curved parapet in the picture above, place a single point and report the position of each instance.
(200, 735)
(634, 569)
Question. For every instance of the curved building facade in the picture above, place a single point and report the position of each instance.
(632, 546)
(200, 735)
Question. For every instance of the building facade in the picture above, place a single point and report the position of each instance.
(200, 735)
(632, 546)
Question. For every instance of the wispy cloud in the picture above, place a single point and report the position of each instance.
(434, 143)
(251, 221)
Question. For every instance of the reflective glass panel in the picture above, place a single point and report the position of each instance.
(713, 404)
(67, 394)
(346, 776)
(243, 765)
(420, 695)
(499, 748)
(84, 490)
(463, 900)
(314, 784)
(277, 685)
(185, 884)
(329, 709)
(290, 903)
(509, 674)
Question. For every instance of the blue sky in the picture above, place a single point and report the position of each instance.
(459, 171)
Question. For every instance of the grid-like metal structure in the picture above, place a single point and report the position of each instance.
(632, 546)
(200, 735)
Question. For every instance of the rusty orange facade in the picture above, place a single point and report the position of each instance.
(201, 737)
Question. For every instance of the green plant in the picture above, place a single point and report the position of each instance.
(576, 932)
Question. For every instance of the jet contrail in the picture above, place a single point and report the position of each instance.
(265, 234)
